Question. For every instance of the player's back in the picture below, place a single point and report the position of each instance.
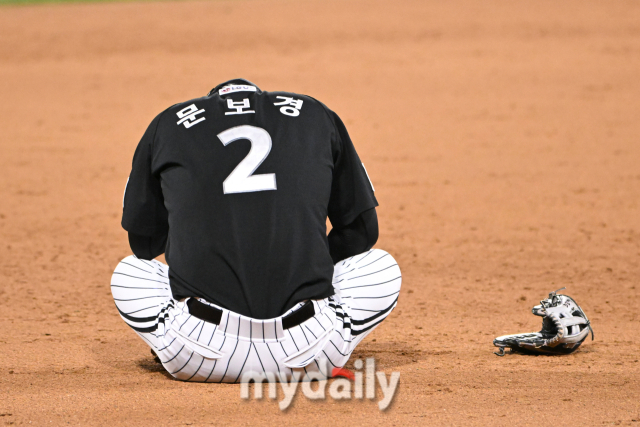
(246, 178)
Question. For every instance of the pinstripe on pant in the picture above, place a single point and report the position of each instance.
(366, 291)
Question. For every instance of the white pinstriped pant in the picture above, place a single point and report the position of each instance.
(190, 349)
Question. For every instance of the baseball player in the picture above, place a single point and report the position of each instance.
(235, 189)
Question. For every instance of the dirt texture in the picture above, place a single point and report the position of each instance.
(502, 140)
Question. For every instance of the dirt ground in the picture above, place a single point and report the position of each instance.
(502, 140)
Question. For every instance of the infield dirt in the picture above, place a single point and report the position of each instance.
(503, 142)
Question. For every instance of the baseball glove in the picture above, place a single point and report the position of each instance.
(564, 328)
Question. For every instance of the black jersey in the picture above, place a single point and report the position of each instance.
(242, 181)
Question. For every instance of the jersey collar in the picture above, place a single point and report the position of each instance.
(235, 82)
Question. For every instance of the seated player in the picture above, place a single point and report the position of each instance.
(235, 189)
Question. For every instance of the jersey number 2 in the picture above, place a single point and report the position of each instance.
(241, 179)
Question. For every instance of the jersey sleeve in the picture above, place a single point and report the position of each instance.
(143, 211)
(351, 189)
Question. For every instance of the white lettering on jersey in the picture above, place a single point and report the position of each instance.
(291, 107)
(242, 180)
(236, 88)
(239, 107)
(188, 115)
(365, 171)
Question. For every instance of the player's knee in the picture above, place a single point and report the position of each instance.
(389, 266)
(129, 272)
(384, 255)
(133, 263)
(128, 261)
